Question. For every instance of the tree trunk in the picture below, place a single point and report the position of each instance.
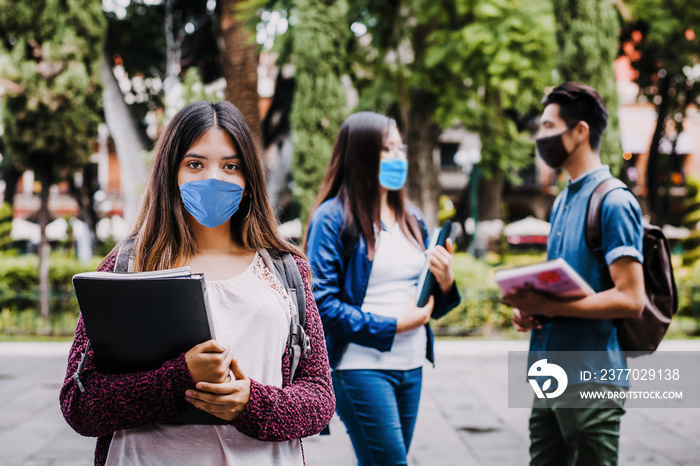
(491, 197)
(86, 210)
(129, 141)
(421, 138)
(240, 60)
(11, 177)
(173, 46)
(653, 165)
(44, 177)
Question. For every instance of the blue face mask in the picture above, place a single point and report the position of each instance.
(392, 173)
(211, 201)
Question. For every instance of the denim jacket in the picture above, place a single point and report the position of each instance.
(340, 287)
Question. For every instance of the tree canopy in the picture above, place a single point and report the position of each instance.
(50, 65)
(480, 63)
(50, 61)
(662, 39)
(318, 108)
(587, 38)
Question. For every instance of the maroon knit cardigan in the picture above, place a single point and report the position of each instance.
(113, 402)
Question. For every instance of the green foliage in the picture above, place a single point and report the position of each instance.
(662, 39)
(19, 293)
(496, 66)
(51, 59)
(587, 36)
(481, 309)
(482, 312)
(447, 209)
(319, 97)
(691, 245)
(193, 88)
(485, 63)
(670, 40)
(5, 226)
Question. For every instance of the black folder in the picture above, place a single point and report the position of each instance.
(426, 281)
(137, 321)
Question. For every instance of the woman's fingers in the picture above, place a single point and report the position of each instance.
(215, 389)
(224, 400)
(237, 372)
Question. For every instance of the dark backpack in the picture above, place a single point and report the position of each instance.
(284, 267)
(638, 334)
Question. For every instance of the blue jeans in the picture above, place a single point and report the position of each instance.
(379, 410)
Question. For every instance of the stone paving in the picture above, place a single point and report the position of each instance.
(464, 417)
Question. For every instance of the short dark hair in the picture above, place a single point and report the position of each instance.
(579, 102)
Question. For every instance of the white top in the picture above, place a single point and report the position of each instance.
(397, 264)
(251, 313)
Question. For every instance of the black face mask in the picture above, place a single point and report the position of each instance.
(552, 149)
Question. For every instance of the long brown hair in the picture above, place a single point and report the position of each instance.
(353, 177)
(163, 236)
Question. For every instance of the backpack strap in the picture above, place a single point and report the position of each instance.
(282, 264)
(125, 256)
(594, 213)
(123, 264)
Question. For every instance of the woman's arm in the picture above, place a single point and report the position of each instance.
(113, 402)
(303, 407)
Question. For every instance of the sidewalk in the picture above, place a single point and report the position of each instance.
(464, 417)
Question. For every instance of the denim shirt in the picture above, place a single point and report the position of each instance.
(622, 233)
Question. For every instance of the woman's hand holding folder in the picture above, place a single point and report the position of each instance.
(414, 317)
(440, 265)
(224, 400)
(209, 362)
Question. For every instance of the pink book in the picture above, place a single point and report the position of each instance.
(554, 277)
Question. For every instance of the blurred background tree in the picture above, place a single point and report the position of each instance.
(50, 66)
(5, 226)
(240, 61)
(318, 109)
(587, 34)
(662, 39)
(691, 219)
(432, 64)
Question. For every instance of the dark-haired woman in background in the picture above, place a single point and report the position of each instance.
(206, 207)
(366, 246)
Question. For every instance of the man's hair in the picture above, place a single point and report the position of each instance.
(579, 102)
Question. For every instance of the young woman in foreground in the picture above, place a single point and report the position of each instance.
(206, 206)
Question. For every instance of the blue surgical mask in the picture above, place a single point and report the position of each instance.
(392, 173)
(211, 201)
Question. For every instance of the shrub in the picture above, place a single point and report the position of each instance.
(481, 310)
(19, 293)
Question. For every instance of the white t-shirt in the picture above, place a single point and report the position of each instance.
(251, 313)
(397, 264)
